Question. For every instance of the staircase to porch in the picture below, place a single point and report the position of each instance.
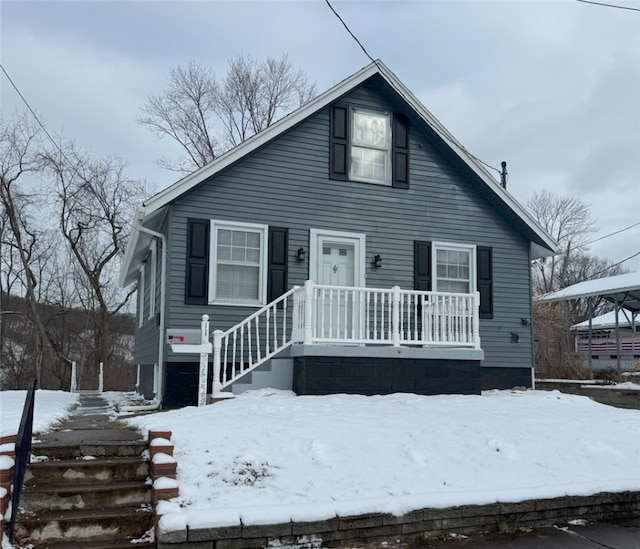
(86, 486)
(333, 315)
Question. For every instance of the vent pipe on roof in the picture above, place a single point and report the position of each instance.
(504, 174)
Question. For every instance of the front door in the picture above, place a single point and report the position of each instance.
(338, 263)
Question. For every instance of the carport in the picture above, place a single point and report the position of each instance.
(621, 290)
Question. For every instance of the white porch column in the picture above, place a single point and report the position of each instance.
(395, 317)
(308, 312)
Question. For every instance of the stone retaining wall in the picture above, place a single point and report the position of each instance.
(420, 524)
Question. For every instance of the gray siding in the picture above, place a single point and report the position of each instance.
(146, 341)
(286, 184)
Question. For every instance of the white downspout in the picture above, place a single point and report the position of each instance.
(157, 400)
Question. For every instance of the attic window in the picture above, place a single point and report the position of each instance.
(370, 147)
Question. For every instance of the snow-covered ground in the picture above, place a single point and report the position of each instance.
(271, 456)
(50, 407)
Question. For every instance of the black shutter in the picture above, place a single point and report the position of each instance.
(338, 133)
(197, 278)
(400, 152)
(278, 262)
(485, 283)
(421, 265)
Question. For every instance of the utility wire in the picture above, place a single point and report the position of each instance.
(349, 31)
(610, 234)
(46, 132)
(609, 5)
(44, 129)
(616, 264)
(376, 62)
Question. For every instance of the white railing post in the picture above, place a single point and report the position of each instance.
(204, 362)
(295, 316)
(74, 379)
(101, 378)
(216, 386)
(476, 320)
(308, 312)
(395, 317)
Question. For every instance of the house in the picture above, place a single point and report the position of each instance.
(353, 246)
(604, 344)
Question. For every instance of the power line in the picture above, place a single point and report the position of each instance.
(399, 91)
(616, 264)
(349, 31)
(611, 234)
(44, 129)
(609, 5)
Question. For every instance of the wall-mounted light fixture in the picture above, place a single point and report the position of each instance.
(300, 255)
(524, 322)
(515, 337)
(377, 261)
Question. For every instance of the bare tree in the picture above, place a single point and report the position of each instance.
(96, 199)
(19, 145)
(570, 222)
(207, 116)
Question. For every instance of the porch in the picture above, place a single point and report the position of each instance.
(352, 327)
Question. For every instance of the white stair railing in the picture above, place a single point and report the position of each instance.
(253, 341)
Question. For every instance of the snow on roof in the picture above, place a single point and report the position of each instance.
(625, 288)
(607, 320)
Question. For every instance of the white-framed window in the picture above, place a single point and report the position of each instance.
(370, 147)
(153, 266)
(238, 274)
(141, 295)
(454, 268)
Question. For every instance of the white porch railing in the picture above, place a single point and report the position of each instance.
(348, 315)
(316, 314)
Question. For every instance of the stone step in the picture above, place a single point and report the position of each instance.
(85, 471)
(128, 544)
(86, 525)
(70, 496)
(96, 545)
(92, 448)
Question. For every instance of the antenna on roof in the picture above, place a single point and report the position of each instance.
(504, 175)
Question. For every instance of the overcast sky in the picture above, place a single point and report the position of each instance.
(551, 87)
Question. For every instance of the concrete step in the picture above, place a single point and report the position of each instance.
(128, 544)
(87, 525)
(47, 497)
(92, 448)
(85, 471)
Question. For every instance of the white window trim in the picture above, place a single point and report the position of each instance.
(153, 279)
(316, 236)
(262, 277)
(387, 176)
(141, 296)
(435, 246)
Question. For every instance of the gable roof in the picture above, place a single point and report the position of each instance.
(541, 243)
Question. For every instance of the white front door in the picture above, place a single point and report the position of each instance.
(339, 259)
